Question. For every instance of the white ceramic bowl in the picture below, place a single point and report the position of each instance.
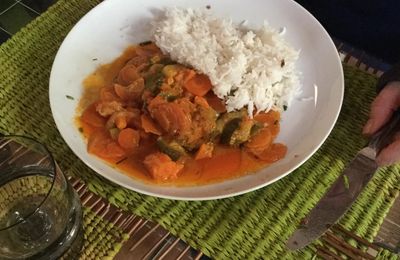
(103, 33)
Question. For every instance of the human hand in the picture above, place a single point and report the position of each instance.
(382, 108)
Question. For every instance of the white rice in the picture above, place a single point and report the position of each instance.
(244, 66)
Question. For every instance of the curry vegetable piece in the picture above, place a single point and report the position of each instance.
(172, 148)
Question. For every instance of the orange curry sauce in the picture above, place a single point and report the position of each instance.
(227, 162)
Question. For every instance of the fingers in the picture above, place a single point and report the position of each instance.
(382, 108)
(390, 154)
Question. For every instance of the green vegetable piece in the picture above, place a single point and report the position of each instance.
(256, 128)
(229, 129)
(226, 117)
(243, 133)
(172, 149)
(168, 96)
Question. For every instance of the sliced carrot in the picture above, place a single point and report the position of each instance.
(199, 85)
(188, 75)
(114, 150)
(270, 117)
(129, 138)
(156, 101)
(215, 102)
(128, 74)
(274, 153)
(270, 120)
(149, 126)
(97, 142)
(121, 91)
(161, 167)
(91, 117)
(201, 101)
(101, 144)
(205, 151)
(259, 142)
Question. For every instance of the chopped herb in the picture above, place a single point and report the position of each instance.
(208, 6)
(166, 61)
(282, 63)
(276, 122)
(80, 129)
(346, 182)
(69, 97)
(154, 82)
(171, 98)
(145, 43)
(120, 161)
(285, 107)
(94, 59)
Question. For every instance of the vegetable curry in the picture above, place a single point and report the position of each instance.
(159, 121)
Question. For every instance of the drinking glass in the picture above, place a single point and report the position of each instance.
(40, 213)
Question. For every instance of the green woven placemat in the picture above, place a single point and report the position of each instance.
(102, 240)
(254, 225)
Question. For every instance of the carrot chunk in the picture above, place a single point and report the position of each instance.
(149, 126)
(259, 142)
(201, 101)
(215, 102)
(161, 167)
(128, 74)
(91, 117)
(101, 144)
(274, 153)
(121, 91)
(128, 138)
(199, 85)
(270, 120)
(205, 151)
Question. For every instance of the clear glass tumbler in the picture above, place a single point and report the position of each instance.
(40, 213)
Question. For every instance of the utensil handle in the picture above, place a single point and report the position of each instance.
(386, 134)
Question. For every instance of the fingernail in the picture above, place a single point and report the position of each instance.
(368, 127)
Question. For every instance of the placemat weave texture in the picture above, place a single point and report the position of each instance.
(251, 226)
(102, 240)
